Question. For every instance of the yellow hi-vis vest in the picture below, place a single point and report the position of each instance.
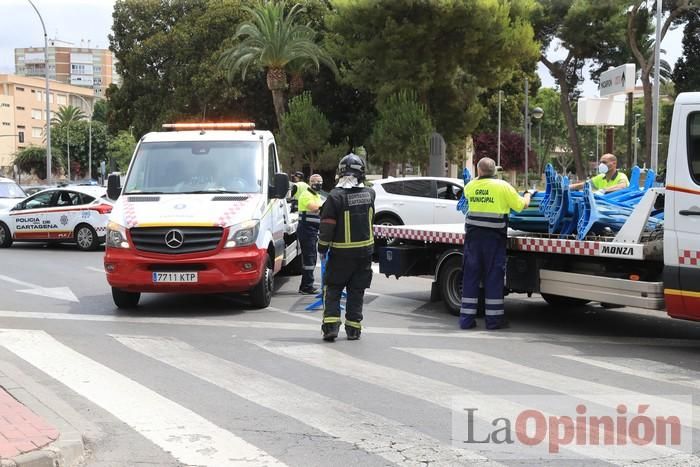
(599, 181)
(490, 201)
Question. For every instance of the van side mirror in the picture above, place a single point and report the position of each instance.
(281, 187)
(114, 188)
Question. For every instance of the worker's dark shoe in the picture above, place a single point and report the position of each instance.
(330, 331)
(496, 323)
(353, 333)
(467, 322)
(309, 291)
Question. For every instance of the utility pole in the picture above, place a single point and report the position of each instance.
(657, 85)
(527, 123)
(498, 151)
(48, 108)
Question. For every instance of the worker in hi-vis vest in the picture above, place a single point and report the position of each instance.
(490, 200)
(609, 179)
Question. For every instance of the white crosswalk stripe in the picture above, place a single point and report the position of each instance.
(186, 435)
(597, 393)
(647, 369)
(372, 433)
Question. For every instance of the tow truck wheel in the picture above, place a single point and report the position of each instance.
(450, 279)
(558, 301)
(86, 238)
(261, 294)
(5, 236)
(124, 299)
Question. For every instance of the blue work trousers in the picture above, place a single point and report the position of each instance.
(484, 263)
(307, 233)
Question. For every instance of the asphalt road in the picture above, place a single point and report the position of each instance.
(205, 380)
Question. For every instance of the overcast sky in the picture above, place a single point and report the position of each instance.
(76, 20)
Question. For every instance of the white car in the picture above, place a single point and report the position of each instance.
(73, 214)
(10, 193)
(417, 200)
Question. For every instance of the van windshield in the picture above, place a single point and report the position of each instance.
(11, 190)
(196, 167)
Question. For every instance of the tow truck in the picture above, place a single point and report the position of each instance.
(654, 269)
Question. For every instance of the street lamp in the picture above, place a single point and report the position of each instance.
(92, 107)
(498, 151)
(537, 114)
(48, 108)
(636, 126)
(68, 148)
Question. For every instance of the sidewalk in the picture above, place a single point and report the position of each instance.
(32, 434)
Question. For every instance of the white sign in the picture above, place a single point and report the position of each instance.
(619, 80)
(600, 111)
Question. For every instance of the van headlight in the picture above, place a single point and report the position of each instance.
(116, 236)
(242, 234)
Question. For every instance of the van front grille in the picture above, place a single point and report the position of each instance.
(176, 240)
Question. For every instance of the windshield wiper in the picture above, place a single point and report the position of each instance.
(200, 192)
(144, 193)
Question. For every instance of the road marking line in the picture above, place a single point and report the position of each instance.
(655, 371)
(391, 379)
(370, 432)
(428, 331)
(58, 293)
(94, 269)
(181, 432)
(599, 393)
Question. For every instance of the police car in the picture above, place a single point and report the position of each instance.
(71, 214)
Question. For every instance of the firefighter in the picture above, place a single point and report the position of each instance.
(309, 222)
(490, 201)
(346, 235)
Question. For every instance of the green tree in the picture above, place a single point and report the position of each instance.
(402, 131)
(639, 24)
(100, 110)
(685, 74)
(553, 126)
(448, 51)
(76, 136)
(120, 150)
(272, 40)
(33, 159)
(304, 132)
(67, 114)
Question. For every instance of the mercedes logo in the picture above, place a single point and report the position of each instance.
(174, 239)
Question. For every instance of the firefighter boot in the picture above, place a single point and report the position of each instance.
(353, 333)
(330, 331)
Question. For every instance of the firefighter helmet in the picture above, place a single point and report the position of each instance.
(352, 164)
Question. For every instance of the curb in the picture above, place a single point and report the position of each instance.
(68, 450)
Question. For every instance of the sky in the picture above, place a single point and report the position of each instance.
(82, 20)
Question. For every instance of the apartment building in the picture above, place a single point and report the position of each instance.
(79, 66)
(23, 112)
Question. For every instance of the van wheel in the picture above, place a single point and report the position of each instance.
(5, 236)
(558, 301)
(450, 279)
(261, 294)
(86, 238)
(125, 300)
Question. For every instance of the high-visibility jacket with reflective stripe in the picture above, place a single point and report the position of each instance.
(307, 197)
(490, 201)
(347, 221)
(300, 188)
(600, 181)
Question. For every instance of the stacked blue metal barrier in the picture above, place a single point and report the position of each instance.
(563, 212)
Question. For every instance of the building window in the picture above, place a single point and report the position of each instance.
(36, 114)
(61, 99)
(38, 96)
(6, 124)
(19, 107)
(5, 104)
(20, 126)
(17, 88)
(37, 132)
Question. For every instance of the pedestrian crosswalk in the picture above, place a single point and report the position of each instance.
(418, 379)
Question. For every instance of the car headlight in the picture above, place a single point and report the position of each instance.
(116, 236)
(242, 234)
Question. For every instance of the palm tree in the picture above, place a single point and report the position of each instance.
(67, 114)
(272, 40)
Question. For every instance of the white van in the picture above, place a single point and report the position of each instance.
(202, 210)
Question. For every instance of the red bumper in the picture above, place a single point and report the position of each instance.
(226, 270)
(683, 305)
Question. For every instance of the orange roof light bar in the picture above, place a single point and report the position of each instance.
(210, 126)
